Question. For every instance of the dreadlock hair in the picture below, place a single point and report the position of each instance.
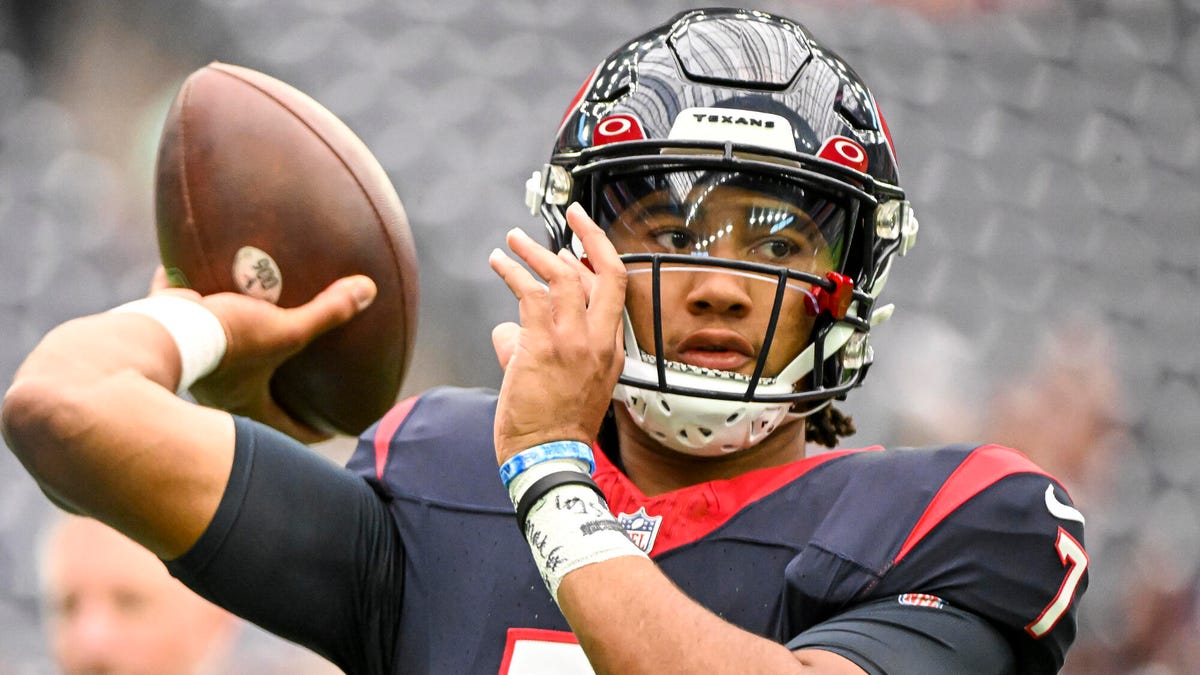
(827, 426)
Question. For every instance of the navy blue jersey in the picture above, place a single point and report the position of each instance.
(447, 583)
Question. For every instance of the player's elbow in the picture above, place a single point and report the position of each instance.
(22, 414)
(55, 396)
(38, 417)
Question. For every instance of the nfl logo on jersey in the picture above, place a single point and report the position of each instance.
(641, 527)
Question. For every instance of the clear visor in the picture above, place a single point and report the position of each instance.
(732, 215)
(721, 270)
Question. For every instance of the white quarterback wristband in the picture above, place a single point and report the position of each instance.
(567, 525)
(198, 333)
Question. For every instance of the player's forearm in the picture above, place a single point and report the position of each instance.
(630, 618)
(83, 352)
(92, 416)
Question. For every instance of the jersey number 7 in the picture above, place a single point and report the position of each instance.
(1075, 559)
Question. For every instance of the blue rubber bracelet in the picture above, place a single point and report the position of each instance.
(546, 451)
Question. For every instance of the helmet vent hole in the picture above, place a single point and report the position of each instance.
(728, 447)
(662, 403)
(659, 435)
(638, 405)
(705, 432)
(734, 418)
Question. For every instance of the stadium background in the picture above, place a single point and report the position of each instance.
(1052, 150)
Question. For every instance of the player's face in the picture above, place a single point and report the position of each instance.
(714, 317)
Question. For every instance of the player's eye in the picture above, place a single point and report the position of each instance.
(777, 250)
(673, 240)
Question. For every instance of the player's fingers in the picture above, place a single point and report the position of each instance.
(566, 292)
(586, 276)
(180, 292)
(334, 306)
(159, 280)
(517, 278)
(619, 351)
(608, 286)
(533, 297)
(539, 258)
(160, 283)
(504, 341)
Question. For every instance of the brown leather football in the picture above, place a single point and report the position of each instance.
(261, 190)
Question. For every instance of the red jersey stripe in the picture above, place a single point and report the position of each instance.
(984, 467)
(388, 425)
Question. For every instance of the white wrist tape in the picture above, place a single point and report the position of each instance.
(197, 332)
(569, 526)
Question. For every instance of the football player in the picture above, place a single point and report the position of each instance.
(724, 209)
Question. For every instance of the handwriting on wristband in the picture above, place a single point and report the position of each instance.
(586, 507)
(554, 560)
(595, 526)
(537, 539)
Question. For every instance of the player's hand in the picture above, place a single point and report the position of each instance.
(562, 362)
(261, 336)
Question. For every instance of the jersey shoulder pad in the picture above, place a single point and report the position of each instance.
(1002, 538)
(437, 445)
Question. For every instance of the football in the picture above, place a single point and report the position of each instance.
(261, 190)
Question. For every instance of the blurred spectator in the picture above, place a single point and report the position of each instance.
(1064, 408)
(1065, 413)
(111, 607)
(1062, 411)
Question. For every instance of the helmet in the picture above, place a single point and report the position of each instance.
(748, 105)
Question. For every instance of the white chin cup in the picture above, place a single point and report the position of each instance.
(698, 426)
(709, 427)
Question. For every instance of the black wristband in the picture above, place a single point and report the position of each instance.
(545, 484)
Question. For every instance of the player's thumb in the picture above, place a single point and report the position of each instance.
(337, 304)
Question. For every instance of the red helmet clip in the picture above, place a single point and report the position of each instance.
(836, 302)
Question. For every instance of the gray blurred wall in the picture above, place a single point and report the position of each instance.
(1052, 150)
